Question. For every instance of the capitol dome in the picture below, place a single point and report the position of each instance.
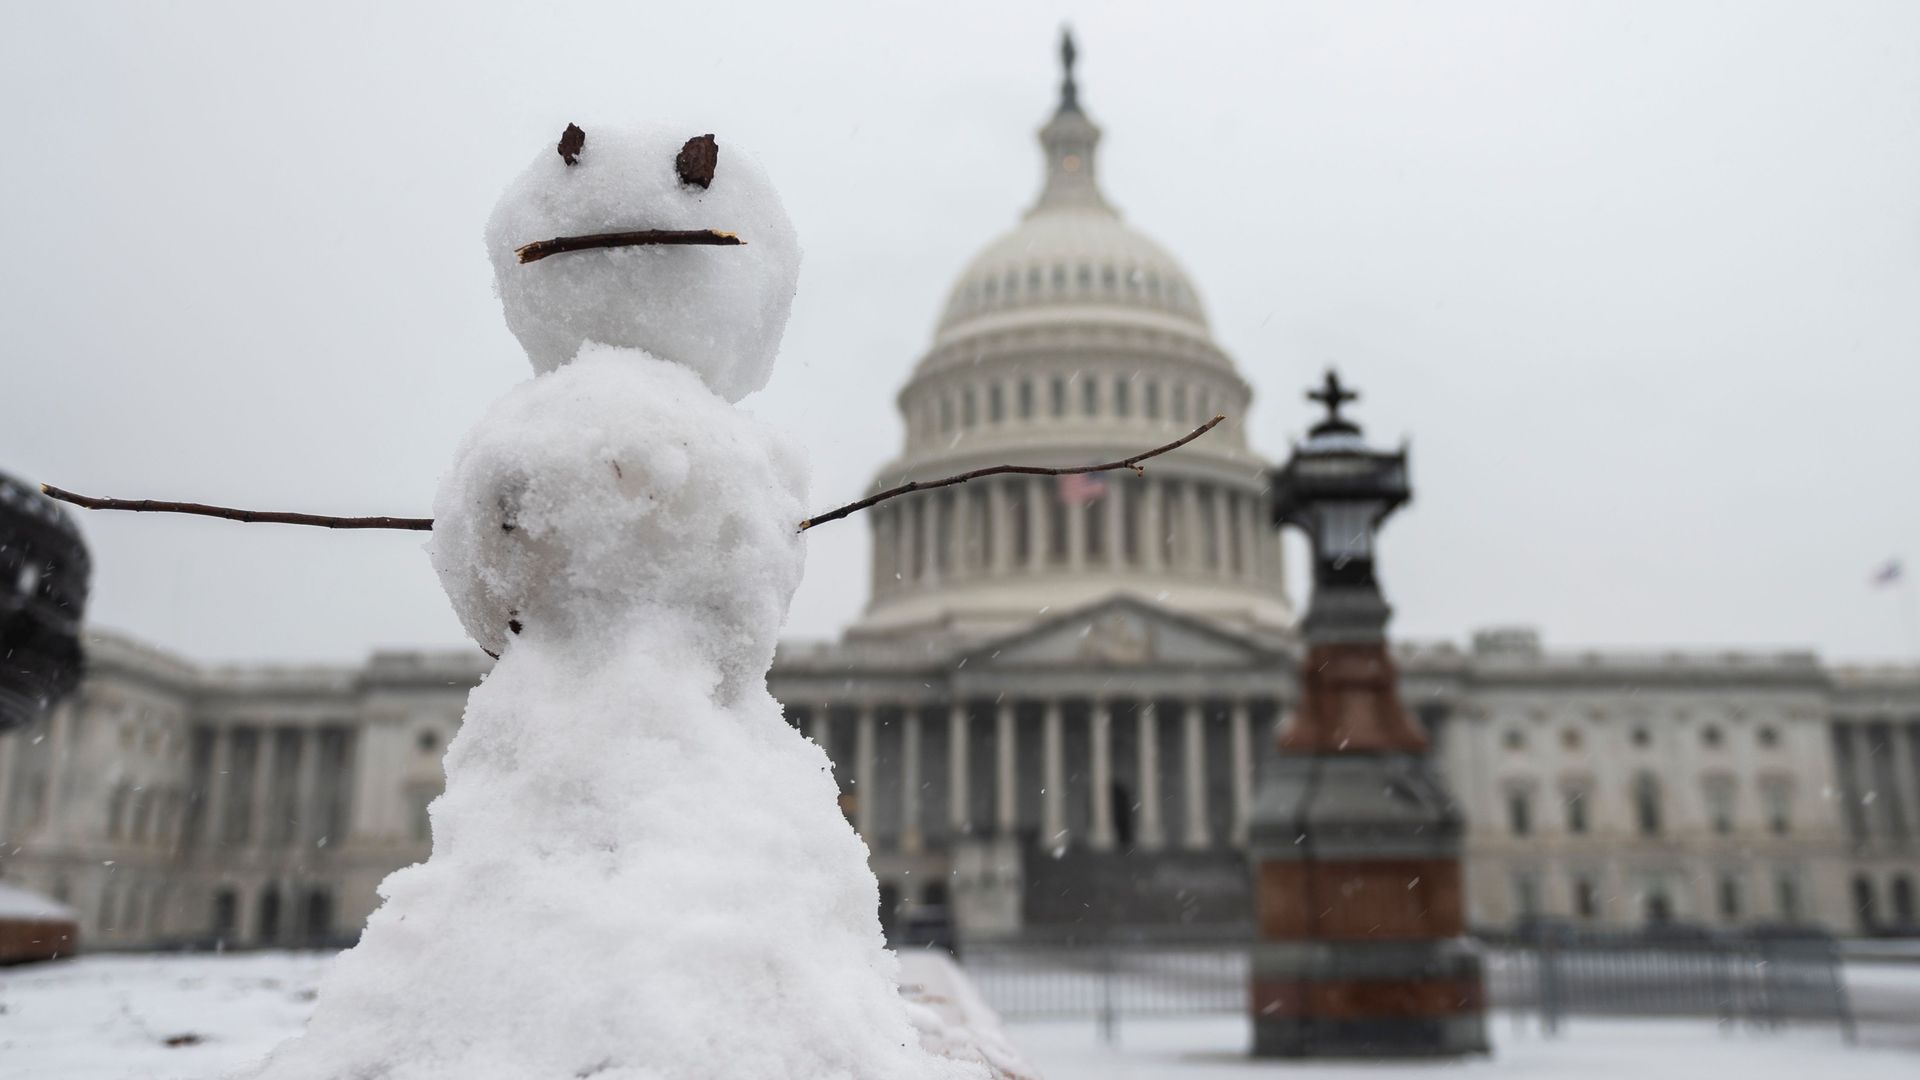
(1072, 339)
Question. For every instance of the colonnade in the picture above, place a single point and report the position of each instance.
(1106, 772)
(1002, 527)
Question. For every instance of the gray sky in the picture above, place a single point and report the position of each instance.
(1639, 281)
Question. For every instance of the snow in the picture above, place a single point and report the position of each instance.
(639, 870)
(19, 904)
(107, 1018)
(718, 310)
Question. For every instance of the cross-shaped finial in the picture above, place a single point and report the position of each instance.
(1332, 395)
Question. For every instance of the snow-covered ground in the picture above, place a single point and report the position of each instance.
(113, 1017)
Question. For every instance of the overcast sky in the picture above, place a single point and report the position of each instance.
(1640, 282)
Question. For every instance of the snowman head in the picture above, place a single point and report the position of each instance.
(664, 240)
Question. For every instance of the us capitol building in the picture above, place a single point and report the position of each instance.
(1054, 707)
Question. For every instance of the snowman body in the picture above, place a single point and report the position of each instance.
(639, 868)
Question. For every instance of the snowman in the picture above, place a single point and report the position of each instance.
(639, 869)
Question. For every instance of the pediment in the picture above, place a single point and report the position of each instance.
(1120, 632)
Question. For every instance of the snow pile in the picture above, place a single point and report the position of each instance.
(951, 1017)
(718, 310)
(640, 871)
(19, 905)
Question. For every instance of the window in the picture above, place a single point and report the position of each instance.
(1570, 738)
(269, 923)
(996, 404)
(1153, 401)
(1577, 811)
(226, 913)
(1646, 804)
(946, 414)
(1059, 277)
(1901, 893)
(1122, 397)
(1202, 404)
(1586, 899)
(1109, 279)
(1514, 739)
(1769, 736)
(1026, 399)
(1089, 397)
(969, 410)
(1729, 893)
(1520, 813)
(1033, 280)
(1017, 503)
(1083, 277)
(1710, 735)
(1642, 737)
(1179, 403)
(1094, 517)
(1776, 797)
(1059, 396)
(428, 740)
(1719, 792)
(1526, 896)
(1056, 529)
(1786, 894)
(1863, 903)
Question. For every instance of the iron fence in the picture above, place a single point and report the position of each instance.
(1761, 980)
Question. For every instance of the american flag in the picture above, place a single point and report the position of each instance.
(1079, 489)
(1889, 574)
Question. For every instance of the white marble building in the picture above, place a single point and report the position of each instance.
(1058, 696)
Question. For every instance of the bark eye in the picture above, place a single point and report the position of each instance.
(696, 161)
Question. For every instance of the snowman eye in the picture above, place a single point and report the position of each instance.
(696, 161)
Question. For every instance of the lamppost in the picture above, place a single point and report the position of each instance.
(1355, 844)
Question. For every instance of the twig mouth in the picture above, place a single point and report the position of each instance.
(540, 249)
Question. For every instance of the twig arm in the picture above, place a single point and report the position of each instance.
(1004, 470)
(325, 521)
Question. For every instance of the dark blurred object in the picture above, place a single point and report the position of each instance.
(44, 569)
(930, 926)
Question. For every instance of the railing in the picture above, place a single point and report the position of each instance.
(1763, 980)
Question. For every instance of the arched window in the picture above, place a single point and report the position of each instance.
(117, 811)
(1659, 907)
(318, 924)
(1863, 903)
(268, 928)
(1646, 804)
(1520, 812)
(1901, 894)
(226, 913)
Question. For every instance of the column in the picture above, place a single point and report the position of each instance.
(961, 547)
(930, 569)
(958, 815)
(863, 771)
(263, 755)
(910, 793)
(1000, 520)
(1115, 507)
(1077, 534)
(1241, 734)
(213, 801)
(1153, 829)
(1194, 755)
(1252, 553)
(1222, 532)
(903, 541)
(1054, 804)
(1007, 804)
(307, 770)
(1101, 740)
(1037, 540)
(1187, 555)
(820, 727)
(54, 800)
(1903, 742)
(1152, 523)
